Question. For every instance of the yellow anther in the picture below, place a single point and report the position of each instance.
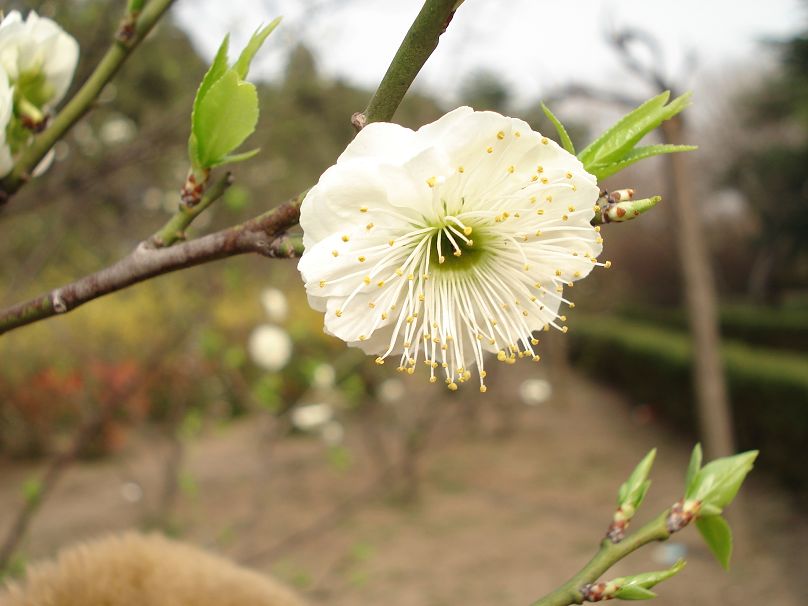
(369, 226)
(483, 389)
(380, 361)
(502, 356)
(545, 180)
(558, 273)
(517, 134)
(562, 318)
(548, 199)
(338, 313)
(511, 169)
(346, 237)
(564, 329)
(452, 386)
(433, 379)
(380, 283)
(540, 211)
(467, 230)
(362, 338)
(490, 150)
(568, 175)
(534, 178)
(432, 181)
(532, 199)
(539, 169)
(597, 228)
(536, 358)
(372, 305)
(335, 253)
(410, 370)
(362, 259)
(534, 341)
(391, 242)
(607, 265)
(461, 169)
(363, 209)
(571, 209)
(500, 135)
(421, 298)
(565, 217)
(366, 279)
(483, 374)
(410, 277)
(457, 253)
(322, 283)
(545, 140)
(399, 272)
(384, 316)
(441, 259)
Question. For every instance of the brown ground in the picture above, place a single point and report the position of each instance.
(499, 519)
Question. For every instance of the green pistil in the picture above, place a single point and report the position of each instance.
(470, 254)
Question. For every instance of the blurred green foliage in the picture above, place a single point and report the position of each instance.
(768, 388)
(785, 328)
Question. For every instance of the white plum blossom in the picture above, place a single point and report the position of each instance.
(447, 242)
(6, 109)
(275, 305)
(38, 56)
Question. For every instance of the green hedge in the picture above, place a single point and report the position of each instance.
(785, 328)
(768, 388)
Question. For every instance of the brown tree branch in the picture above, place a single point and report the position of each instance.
(264, 235)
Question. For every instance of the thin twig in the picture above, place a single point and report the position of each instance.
(607, 556)
(264, 235)
(418, 45)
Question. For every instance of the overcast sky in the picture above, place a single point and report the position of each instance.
(535, 45)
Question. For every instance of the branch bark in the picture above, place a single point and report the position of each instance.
(418, 45)
(265, 235)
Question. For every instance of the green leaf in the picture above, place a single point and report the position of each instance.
(693, 467)
(718, 536)
(563, 136)
(601, 171)
(614, 144)
(217, 70)
(242, 66)
(226, 116)
(233, 158)
(717, 483)
(634, 592)
(32, 490)
(633, 491)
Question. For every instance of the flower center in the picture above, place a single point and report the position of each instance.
(456, 250)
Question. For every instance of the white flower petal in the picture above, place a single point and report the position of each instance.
(455, 240)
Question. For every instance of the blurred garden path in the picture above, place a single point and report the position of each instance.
(501, 518)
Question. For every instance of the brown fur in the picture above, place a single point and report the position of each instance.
(143, 570)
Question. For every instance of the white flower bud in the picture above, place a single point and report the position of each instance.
(270, 347)
(6, 108)
(38, 56)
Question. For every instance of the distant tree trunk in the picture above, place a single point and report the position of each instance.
(715, 418)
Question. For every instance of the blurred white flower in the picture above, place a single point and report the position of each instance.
(535, 391)
(390, 391)
(270, 347)
(117, 131)
(324, 377)
(6, 108)
(131, 492)
(38, 56)
(275, 305)
(447, 242)
(312, 417)
(333, 433)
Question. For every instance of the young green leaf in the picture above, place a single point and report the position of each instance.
(242, 66)
(563, 136)
(614, 149)
(226, 116)
(601, 171)
(693, 467)
(634, 592)
(632, 492)
(717, 483)
(638, 587)
(718, 536)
